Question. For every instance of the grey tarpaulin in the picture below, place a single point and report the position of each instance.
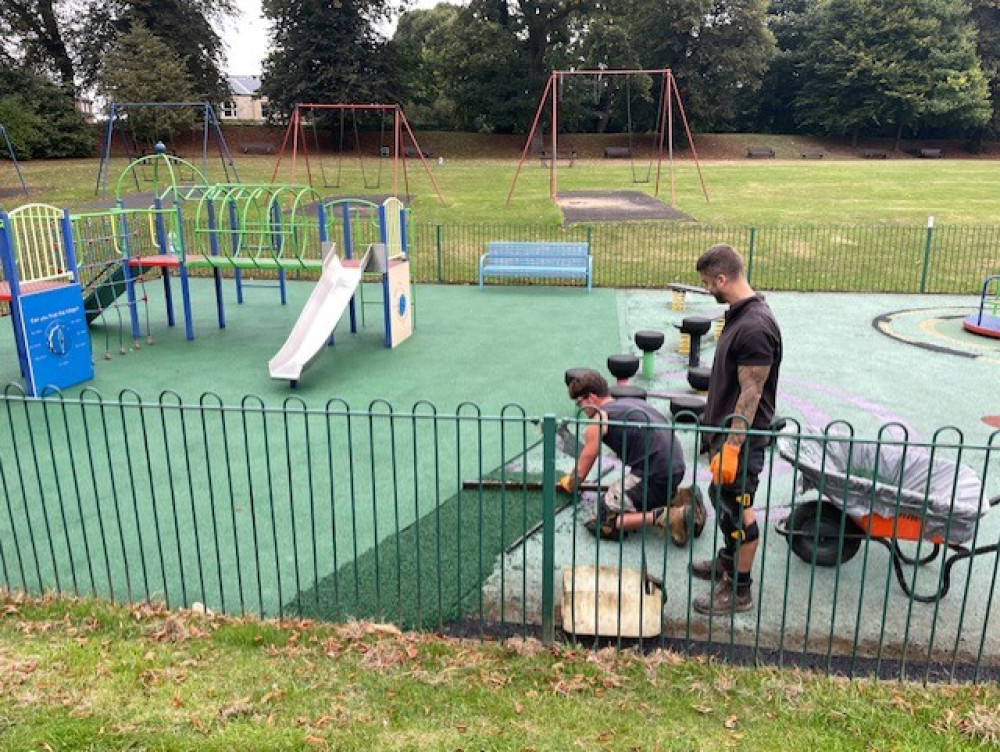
(890, 480)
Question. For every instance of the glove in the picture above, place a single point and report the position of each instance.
(566, 484)
(725, 465)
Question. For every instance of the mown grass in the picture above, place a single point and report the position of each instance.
(88, 676)
(741, 192)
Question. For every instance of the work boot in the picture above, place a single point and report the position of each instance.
(721, 565)
(727, 598)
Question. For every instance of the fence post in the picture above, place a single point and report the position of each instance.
(927, 254)
(750, 250)
(548, 527)
(438, 235)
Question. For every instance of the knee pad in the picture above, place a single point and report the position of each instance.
(743, 534)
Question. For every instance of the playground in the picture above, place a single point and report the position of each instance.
(260, 412)
(391, 434)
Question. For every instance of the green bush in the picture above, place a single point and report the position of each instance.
(41, 119)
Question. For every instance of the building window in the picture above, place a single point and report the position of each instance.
(229, 110)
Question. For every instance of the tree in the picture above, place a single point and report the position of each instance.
(466, 66)
(35, 30)
(986, 17)
(184, 26)
(717, 49)
(142, 68)
(872, 65)
(326, 51)
(68, 39)
(787, 20)
(41, 118)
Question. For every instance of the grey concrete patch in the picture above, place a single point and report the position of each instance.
(614, 206)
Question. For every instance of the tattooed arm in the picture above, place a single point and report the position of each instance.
(752, 380)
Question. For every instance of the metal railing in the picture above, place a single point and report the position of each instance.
(842, 258)
(834, 258)
(451, 521)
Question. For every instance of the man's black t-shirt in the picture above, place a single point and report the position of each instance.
(653, 453)
(750, 338)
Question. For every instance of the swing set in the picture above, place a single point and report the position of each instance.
(120, 123)
(662, 135)
(9, 148)
(355, 155)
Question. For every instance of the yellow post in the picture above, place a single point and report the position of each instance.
(677, 300)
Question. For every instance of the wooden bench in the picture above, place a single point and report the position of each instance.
(617, 152)
(875, 154)
(812, 153)
(930, 153)
(537, 259)
(568, 157)
(257, 147)
(760, 152)
(411, 152)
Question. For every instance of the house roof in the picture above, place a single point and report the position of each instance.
(246, 86)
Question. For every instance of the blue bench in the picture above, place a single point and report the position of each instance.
(537, 259)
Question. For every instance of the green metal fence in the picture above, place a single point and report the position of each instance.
(446, 521)
(847, 258)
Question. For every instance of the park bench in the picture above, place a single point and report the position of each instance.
(812, 153)
(760, 152)
(537, 259)
(930, 153)
(257, 147)
(617, 152)
(411, 152)
(875, 154)
(568, 157)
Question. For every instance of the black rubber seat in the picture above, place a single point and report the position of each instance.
(696, 326)
(572, 373)
(623, 366)
(698, 377)
(687, 408)
(649, 340)
(627, 390)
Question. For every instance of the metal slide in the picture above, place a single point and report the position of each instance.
(318, 319)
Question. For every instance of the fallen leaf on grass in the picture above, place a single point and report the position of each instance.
(731, 722)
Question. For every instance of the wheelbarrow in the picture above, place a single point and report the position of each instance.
(888, 494)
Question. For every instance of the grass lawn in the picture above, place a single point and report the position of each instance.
(742, 192)
(86, 676)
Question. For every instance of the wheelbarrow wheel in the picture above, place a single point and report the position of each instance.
(815, 534)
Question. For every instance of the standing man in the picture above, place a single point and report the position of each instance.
(741, 395)
(642, 438)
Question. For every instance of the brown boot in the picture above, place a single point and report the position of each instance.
(722, 564)
(727, 598)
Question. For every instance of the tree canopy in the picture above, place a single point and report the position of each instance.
(40, 117)
(142, 68)
(901, 64)
(841, 67)
(326, 52)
